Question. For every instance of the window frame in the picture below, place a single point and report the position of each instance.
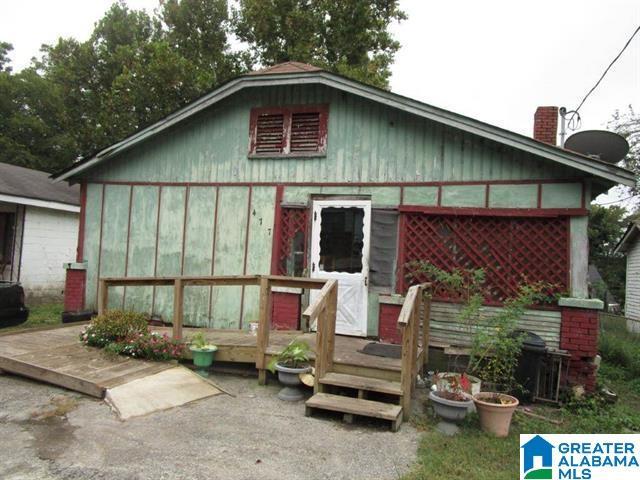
(287, 112)
(8, 237)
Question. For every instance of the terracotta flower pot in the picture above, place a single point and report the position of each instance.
(495, 417)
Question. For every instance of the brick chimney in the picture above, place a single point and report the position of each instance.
(545, 124)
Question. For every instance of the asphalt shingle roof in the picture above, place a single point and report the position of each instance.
(25, 182)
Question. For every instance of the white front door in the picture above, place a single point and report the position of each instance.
(340, 236)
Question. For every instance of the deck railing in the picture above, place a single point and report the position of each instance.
(418, 298)
(323, 311)
(265, 282)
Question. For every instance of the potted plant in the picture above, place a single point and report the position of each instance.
(495, 411)
(289, 364)
(451, 399)
(202, 352)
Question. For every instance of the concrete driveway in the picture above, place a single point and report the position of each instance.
(50, 433)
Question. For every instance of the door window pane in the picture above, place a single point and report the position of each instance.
(341, 239)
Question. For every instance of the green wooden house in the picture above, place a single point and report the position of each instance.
(294, 170)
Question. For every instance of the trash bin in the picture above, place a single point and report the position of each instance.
(533, 353)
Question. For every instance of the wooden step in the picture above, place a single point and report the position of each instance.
(362, 383)
(355, 406)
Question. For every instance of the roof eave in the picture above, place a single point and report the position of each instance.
(612, 173)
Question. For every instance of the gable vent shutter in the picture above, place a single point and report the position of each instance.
(270, 133)
(305, 132)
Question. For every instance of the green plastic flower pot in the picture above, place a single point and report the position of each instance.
(203, 357)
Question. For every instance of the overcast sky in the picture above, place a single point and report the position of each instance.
(493, 60)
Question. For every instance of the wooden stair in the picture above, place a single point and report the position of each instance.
(361, 406)
(350, 406)
(362, 383)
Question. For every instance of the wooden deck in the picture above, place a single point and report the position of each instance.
(58, 357)
(240, 346)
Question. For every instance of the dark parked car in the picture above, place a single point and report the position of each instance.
(12, 308)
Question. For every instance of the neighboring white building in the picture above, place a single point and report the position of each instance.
(630, 245)
(38, 231)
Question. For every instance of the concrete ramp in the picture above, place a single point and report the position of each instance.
(167, 389)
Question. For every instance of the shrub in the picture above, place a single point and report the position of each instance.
(127, 333)
(151, 346)
(114, 325)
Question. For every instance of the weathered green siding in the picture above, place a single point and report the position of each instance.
(142, 245)
(198, 252)
(114, 238)
(214, 212)
(446, 329)
(367, 142)
(229, 254)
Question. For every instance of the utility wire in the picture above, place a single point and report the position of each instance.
(575, 112)
(617, 201)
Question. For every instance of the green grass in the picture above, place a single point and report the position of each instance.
(477, 456)
(41, 316)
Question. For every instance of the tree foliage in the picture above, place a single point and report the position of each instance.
(606, 227)
(81, 96)
(627, 124)
(350, 37)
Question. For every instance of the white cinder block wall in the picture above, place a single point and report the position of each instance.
(50, 239)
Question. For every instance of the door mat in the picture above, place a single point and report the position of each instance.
(382, 350)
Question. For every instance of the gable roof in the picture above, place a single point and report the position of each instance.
(628, 238)
(295, 73)
(33, 187)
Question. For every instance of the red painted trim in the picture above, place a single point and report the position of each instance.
(338, 184)
(82, 222)
(155, 255)
(100, 241)
(539, 201)
(184, 229)
(246, 252)
(213, 246)
(277, 230)
(495, 212)
(126, 254)
(569, 257)
(401, 254)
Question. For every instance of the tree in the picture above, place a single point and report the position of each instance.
(350, 37)
(606, 227)
(627, 124)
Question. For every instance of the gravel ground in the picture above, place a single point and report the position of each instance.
(50, 433)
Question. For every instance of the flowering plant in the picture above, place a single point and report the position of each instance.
(127, 333)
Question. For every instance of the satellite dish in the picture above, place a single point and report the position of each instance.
(601, 144)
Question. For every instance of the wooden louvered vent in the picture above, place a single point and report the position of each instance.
(270, 133)
(297, 131)
(305, 132)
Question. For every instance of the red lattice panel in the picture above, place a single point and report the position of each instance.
(293, 220)
(510, 250)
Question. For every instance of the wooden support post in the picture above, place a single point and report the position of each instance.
(426, 319)
(405, 374)
(415, 335)
(178, 308)
(264, 324)
(321, 348)
(103, 296)
(332, 312)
